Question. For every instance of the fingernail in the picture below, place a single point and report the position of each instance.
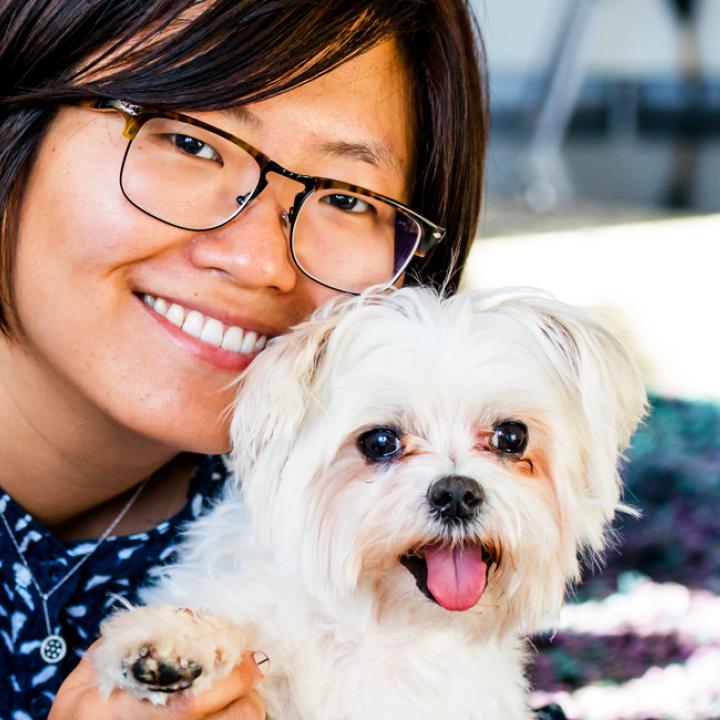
(262, 661)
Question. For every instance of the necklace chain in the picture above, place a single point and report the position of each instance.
(57, 652)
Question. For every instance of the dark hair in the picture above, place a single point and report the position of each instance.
(211, 54)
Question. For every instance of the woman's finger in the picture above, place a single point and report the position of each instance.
(79, 699)
(250, 707)
(237, 685)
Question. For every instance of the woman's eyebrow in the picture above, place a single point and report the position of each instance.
(241, 114)
(373, 152)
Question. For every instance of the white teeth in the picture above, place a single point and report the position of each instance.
(209, 330)
(249, 340)
(193, 324)
(232, 340)
(212, 333)
(176, 315)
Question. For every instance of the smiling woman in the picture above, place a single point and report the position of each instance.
(180, 181)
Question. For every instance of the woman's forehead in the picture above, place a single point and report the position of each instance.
(359, 112)
(378, 152)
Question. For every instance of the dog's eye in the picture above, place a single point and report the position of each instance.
(510, 437)
(379, 444)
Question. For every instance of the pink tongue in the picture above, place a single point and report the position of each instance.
(456, 577)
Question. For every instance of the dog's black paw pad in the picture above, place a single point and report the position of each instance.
(163, 674)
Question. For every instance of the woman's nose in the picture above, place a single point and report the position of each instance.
(253, 249)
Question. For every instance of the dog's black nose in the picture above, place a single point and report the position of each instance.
(456, 497)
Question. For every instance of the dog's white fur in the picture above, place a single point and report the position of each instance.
(300, 560)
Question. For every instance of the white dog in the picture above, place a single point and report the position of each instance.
(419, 479)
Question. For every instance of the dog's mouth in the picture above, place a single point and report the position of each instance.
(453, 577)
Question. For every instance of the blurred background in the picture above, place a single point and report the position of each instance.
(604, 188)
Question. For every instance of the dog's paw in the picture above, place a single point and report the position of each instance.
(161, 674)
(155, 651)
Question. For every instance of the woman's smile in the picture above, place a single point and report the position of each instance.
(230, 345)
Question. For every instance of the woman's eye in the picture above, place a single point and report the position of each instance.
(347, 203)
(194, 147)
(510, 437)
(379, 444)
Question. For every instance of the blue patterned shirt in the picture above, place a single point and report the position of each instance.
(119, 566)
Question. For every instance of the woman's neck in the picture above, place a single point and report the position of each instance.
(163, 495)
(63, 459)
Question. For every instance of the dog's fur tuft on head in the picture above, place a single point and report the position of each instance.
(417, 479)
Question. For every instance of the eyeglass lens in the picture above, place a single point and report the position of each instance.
(195, 179)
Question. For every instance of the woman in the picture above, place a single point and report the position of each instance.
(159, 225)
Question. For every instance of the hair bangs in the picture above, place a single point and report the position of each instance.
(226, 52)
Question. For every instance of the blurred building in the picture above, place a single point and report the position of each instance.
(604, 170)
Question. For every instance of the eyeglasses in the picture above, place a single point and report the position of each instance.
(192, 175)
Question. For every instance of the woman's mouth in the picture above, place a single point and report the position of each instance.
(228, 346)
(207, 329)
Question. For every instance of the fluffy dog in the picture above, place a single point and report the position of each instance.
(420, 478)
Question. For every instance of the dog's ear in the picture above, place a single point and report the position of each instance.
(275, 393)
(612, 401)
(606, 390)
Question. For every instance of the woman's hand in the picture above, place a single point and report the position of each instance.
(232, 698)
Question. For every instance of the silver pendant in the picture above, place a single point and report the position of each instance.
(53, 649)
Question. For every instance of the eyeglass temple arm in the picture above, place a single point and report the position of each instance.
(127, 110)
(433, 238)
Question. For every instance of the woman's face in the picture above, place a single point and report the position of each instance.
(86, 257)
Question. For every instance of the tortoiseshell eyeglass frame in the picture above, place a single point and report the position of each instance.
(136, 116)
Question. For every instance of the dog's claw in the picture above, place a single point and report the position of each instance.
(162, 674)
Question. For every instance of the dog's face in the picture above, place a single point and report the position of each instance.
(429, 455)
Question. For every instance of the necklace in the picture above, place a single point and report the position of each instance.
(54, 648)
